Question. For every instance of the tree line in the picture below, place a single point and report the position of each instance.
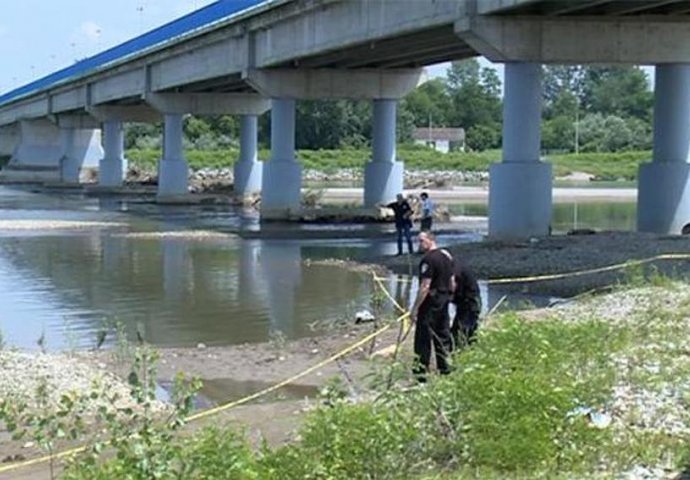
(585, 109)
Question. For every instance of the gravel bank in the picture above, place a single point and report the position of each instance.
(562, 254)
(22, 373)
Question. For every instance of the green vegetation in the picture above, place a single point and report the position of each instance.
(520, 404)
(604, 166)
(590, 109)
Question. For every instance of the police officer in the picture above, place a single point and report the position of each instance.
(403, 221)
(468, 305)
(430, 310)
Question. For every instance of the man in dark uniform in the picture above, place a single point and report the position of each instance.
(403, 221)
(468, 305)
(430, 311)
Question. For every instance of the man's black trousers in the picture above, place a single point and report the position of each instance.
(432, 328)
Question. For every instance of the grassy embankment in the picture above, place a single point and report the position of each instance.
(604, 166)
(512, 409)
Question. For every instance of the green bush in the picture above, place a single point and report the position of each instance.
(218, 454)
(504, 411)
(349, 441)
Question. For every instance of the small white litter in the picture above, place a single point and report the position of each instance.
(364, 316)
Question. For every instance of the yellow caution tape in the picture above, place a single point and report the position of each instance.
(227, 406)
(579, 273)
(402, 318)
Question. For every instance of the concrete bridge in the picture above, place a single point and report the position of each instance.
(247, 56)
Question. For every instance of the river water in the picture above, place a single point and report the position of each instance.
(60, 286)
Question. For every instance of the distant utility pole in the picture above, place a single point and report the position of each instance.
(577, 127)
(430, 127)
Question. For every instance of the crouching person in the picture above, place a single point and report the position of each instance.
(468, 305)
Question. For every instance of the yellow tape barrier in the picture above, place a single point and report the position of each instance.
(579, 273)
(404, 318)
(227, 406)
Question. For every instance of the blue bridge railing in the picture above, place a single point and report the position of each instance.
(214, 12)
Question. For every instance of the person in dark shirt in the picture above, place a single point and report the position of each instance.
(403, 221)
(468, 305)
(430, 310)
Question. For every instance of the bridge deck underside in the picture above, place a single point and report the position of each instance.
(408, 51)
(597, 7)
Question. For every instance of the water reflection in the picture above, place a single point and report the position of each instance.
(573, 215)
(184, 291)
(181, 291)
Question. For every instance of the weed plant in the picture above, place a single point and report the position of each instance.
(508, 409)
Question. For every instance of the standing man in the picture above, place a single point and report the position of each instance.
(468, 305)
(430, 310)
(403, 221)
(427, 211)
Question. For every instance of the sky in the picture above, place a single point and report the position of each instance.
(39, 37)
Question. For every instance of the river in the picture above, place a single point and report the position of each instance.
(129, 264)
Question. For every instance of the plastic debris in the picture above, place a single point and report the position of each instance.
(364, 316)
(596, 419)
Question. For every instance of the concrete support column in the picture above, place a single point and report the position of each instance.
(113, 165)
(172, 170)
(383, 176)
(520, 187)
(282, 175)
(248, 170)
(70, 165)
(663, 198)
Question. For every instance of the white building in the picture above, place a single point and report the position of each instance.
(440, 139)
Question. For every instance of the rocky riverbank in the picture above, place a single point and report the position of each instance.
(214, 180)
(565, 254)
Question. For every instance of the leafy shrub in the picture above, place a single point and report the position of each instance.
(349, 441)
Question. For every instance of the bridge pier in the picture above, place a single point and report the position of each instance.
(113, 166)
(520, 187)
(173, 171)
(383, 176)
(282, 175)
(46, 152)
(663, 198)
(248, 170)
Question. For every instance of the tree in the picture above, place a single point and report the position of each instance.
(476, 102)
(482, 137)
(558, 133)
(143, 135)
(559, 80)
(618, 90)
(428, 104)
